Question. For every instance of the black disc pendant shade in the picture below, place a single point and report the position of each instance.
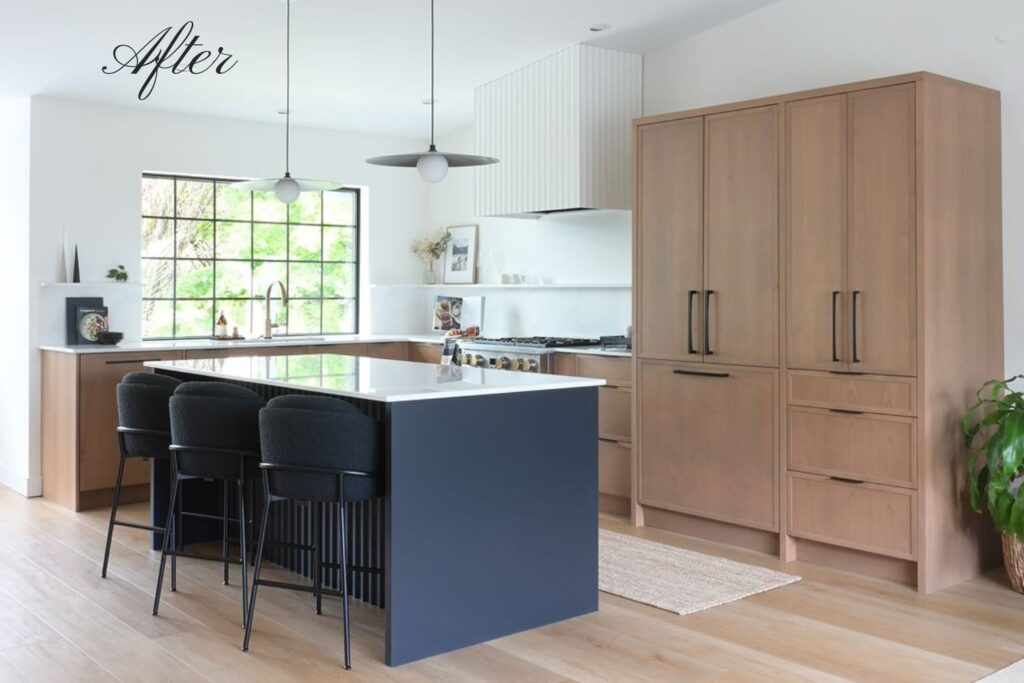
(286, 188)
(432, 164)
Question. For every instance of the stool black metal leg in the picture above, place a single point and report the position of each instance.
(344, 583)
(113, 511)
(244, 551)
(168, 532)
(179, 538)
(224, 528)
(256, 571)
(316, 510)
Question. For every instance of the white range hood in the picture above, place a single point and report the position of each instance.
(562, 128)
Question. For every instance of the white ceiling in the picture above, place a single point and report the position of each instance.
(358, 65)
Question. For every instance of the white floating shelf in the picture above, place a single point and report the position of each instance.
(573, 285)
(79, 285)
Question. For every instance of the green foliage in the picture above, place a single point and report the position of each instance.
(994, 435)
(118, 274)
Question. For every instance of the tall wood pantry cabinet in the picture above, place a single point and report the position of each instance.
(817, 295)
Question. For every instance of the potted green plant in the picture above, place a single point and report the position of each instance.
(994, 434)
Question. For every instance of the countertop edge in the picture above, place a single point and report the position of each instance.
(203, 345)
(567, 383)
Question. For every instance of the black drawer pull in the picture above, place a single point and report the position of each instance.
(847, 480)
(133, 362)
(845, 372)
(700, 373)
(846, 412)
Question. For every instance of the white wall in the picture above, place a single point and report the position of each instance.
(86, 164)
(15, 351)
(585, 247)
(801, 44)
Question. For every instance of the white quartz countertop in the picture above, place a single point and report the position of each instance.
(325, 340)
(207, 344)
(371, 379)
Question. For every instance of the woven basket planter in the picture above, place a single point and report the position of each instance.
(1013, 558)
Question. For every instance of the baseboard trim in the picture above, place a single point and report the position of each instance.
(30, 487)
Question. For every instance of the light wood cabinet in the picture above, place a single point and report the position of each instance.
(670, 239)
(614, 424)
(816, 232)
(882, 247)
(388, 350)
(79, 422)
(875, 448)
(887, 193)
(851, 232)
(79, 415)
(741, 238)
(425, 353)
(878, 519)
(710, 440)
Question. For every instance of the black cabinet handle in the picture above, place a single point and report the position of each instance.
(835, 351)
(856, 296)
(700, 373)
(132, 362)
(847, 480)
(689, 321)
(707, 322)
(846, 412)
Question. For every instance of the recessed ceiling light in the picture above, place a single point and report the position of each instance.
(597, 28)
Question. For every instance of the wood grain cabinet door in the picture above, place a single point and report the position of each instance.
(815, 186)
(670, 211)
(882, 250)
(741, 238)
(710, 441)
(98, 452)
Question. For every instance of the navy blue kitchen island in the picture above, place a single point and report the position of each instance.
(488, 525)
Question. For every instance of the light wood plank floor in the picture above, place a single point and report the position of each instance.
(60, 622)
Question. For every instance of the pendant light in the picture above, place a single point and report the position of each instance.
(432, 165)
(286, 188)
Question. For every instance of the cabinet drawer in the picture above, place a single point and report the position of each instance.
(876, 448)
(877, 519)
(613, 468)
(613, 414)
(709, 441)
(387, 350)
(868, 393)
(616, 371)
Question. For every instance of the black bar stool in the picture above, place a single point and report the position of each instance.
(214, 436)
(315, 450)
(143, 431)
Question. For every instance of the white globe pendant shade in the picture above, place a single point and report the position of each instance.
(432, 167)
(286, 190)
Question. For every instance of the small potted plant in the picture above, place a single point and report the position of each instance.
(994, 434)
(429, 250)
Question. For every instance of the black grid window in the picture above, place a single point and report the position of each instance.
(208, 247)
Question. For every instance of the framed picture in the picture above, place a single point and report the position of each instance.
(460, 256)
(72, 304)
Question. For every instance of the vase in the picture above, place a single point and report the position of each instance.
(430, 273)
(1013, 559)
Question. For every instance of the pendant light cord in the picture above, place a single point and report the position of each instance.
(288, 89)
(433, 101)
